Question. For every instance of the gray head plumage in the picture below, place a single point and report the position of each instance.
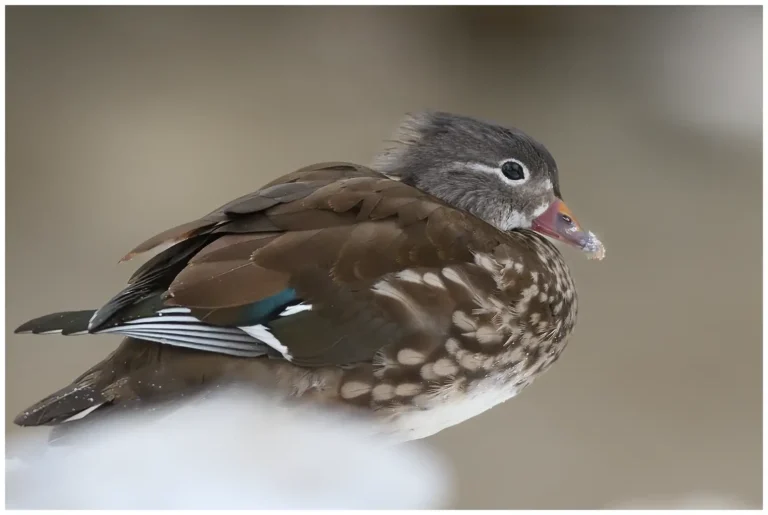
(499, 174)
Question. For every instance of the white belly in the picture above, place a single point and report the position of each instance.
(443, 413)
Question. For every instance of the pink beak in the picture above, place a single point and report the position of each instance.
(559, 223)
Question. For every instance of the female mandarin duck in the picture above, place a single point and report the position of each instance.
(419, 291)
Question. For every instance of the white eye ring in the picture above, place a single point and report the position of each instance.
(497, 171)
(514, 171)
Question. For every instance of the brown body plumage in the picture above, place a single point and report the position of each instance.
(411, 310)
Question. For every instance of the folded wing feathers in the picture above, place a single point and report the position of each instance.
(332, 213)
(274, 194)
(173, 327)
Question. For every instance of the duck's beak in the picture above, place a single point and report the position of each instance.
(559, 223)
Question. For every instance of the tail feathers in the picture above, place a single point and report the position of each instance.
(58, 407)
(92, 393)
(65, 322)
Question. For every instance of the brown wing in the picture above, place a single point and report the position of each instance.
(289, 187)
(329, 232)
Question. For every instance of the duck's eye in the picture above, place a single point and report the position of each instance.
(513, 170)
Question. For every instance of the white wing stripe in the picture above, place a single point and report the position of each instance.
(187, 328)
(212, 337)
(163, 319)
(174, 310)
(250, 351)
(263, 334)
(298, 308)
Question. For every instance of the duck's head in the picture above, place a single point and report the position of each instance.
(498, 174)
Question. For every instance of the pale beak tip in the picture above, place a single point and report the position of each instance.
(594, 247)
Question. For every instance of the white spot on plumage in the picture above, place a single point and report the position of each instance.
(407, 389)
(428, 372)
(484, 261)
(463, 321)
(525, 297)
(472, 361)
(519, 268)
(433, 280)
(353, 389)
(445, 367)
(452, 346)
(487, 335)
(388, 290)
(409, 276)
(410, 357)
(453, 276)
(383, 392)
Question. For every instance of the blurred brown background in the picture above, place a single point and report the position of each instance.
(122, 122)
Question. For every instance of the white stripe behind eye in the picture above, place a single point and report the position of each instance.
(480, 167)
(496, 170)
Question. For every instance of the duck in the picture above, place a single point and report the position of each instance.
(418, 291)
